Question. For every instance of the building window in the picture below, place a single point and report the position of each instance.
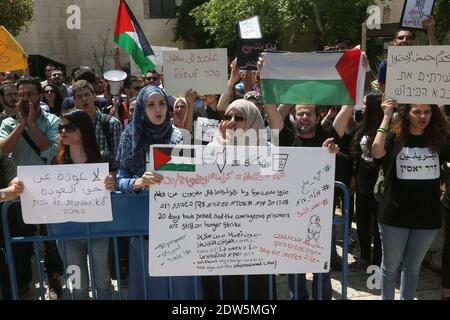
(162, 9)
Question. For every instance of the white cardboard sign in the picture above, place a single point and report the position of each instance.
(64, 193)
(418, 74)
(250, 29)
(204, 70)
(260, 211)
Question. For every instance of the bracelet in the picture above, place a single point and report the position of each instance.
(383, 131)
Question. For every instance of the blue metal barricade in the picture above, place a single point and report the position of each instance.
(130, 219)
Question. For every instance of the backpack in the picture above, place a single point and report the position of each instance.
(384, 177)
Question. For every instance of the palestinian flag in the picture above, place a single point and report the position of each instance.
(318, 78)
(174, 158)
(131, 38)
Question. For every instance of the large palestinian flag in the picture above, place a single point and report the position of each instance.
(318, 78)
(131, 38)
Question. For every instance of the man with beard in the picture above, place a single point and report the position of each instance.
(306, 131)
(8, 96)
(32, 139)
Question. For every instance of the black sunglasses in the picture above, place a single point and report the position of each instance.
(69, 128)
(237, 117)
(152, 78)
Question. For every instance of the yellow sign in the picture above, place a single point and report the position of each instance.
(11, 53)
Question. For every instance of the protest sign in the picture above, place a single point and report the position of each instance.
(204, 70)
(248, 51)
(259, 211)
(250, 28)
(418, 74)
(414, 12)
(64, 193)
(206, 129)
(11, 53)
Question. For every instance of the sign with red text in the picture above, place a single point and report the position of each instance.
(204, 70)
(242, 210)
(418, 74)
(65, 193)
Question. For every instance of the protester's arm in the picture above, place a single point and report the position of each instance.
(189, 117)
(116, 55)
(341, 121)
(249, 81)
(10, 133)
(225, 98)
(13, 191)
(378, 147)
(430, 25)
(276, 122)
(40, 139)
(284, 110)
(328, 119)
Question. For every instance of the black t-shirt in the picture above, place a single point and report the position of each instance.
(289, 137)
(7, 170)
(413, 201)
(367, 169)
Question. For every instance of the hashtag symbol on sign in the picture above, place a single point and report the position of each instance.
(327, 168)
(325, 188)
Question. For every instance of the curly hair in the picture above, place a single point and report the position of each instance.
(437, 132)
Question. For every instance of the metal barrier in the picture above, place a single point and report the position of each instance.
(130, 219)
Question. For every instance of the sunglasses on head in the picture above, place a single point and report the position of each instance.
(152, 78)
(236, 117)
(69, 127)
(404, 37)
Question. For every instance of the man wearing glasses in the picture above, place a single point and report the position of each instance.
(405, 37)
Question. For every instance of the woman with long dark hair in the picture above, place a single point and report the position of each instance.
(410, 213)
(78, 145)
(366, 176)
(53, 98)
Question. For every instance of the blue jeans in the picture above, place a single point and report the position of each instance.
(406, 246)
(302, 293)
(77, 253)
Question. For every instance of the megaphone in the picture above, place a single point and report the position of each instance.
(115, 79)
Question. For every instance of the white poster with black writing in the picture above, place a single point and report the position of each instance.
(65, 193)
(240, 210)
(418, 164)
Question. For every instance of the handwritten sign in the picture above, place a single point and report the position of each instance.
(250, 29)
(63, 193)
(258, 211)
(206, 128)
(11, 53)
(248, 51)
(414, 12)
(419, 74)
(418, 164)
(204, 70)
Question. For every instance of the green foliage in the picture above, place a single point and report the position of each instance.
(442, 17)
(15, 14)
(187, 29)
(285, 20)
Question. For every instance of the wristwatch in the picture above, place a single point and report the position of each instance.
(2, 195)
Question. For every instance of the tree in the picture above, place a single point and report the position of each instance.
(284, 20)
(101, 57)
(16, 14)
(441, 10)
(187, 29)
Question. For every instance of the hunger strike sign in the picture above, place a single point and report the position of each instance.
(236, 211)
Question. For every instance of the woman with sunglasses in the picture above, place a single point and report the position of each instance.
(78, 145)
(240, 117)
(151, 125)
(409, 211)
(53, 98)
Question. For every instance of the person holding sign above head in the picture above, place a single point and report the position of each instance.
(151, 125)
(406, 37)
(78, 145)
(411, 152)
